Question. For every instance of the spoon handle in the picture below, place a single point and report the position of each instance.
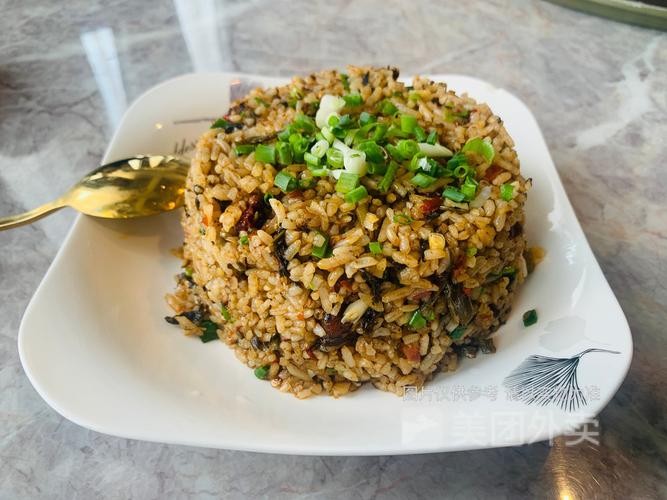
(30, 216)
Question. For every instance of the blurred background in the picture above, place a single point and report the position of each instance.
(68, 71)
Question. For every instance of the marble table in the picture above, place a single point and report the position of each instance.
(597, 88)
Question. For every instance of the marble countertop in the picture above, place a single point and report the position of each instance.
(597, 88)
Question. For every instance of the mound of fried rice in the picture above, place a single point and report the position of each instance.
(328, 325)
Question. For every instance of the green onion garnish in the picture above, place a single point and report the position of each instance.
(285, 182)
(422, 180)
(408, 123)
(507, 192)
(284, 134)
(530, 317)
(481, 147)
(457, 332)
(508, 271)
(327, 134)
(469, 188)
(375, 247)
(209, 331)
(356, 195)
(453, 194)
(387, 108)
(379, 132)
(353, 99)
(456, 160)
(403, 219)
(321, 246)
(388, 178)
(462, 171)
(365, 118)
(417, 320)
(225, 313)
(420, 135)
(188, 272)
(347, 182)
(471, 251)
(432, 137)
(374, 153)
(243, 149)
(244, 240)
(311, 159)
(345, 80)
(221, 123)
(414, 96)
(335, 158)
(284, 153)
(265, 154)
(407, 148)
(304, 123)
(308, 182)
(320, 148)
(261, 372)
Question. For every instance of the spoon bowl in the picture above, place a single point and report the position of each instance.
(129, 188)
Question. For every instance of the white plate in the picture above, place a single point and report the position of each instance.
(95, 346)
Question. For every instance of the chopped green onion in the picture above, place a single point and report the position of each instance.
(347, 182)
(311, 159)
(530, 317)
(403, 219)
(350, 135)
(395, 131)
(357, 194)
(508, 271)
(265, 154)
(267, 197)
(414, 96)
(321, 246)
(345, 80)
(452, 116)
(353, 99)
(453, 194)
(387, 108)
(469, 188)
(379, 132)
(225, 313)
(304, 123)
(408, 123)
(327, 134)
(507, 192)
(333, 120)
(417, 320)
(244, 240)
(432, 137)
(345, 122)
(457, 332)
(366, 118)
(375, 247)
(209, 331)
(261, 372)
(318, 171)
(407, 148)
(320, 148)
(188, 272)
(434, 150)
(284, 153)
(284, 134)
(299, 145)
(374, 153)
(462, 171)
(388, 178)
(471, 251)
(481, 147)
(335, 158)
(222, 123)
(422, 180)
(420, 135)
(376, 168)
(243, 149)
(285, 181)
(456, 160)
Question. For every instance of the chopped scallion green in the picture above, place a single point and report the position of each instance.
(469, 188)
(345, 81)
(321, 246)
(417, 320)
(243, 149)
(221, 123)
(530, 317)
(347, 182)
(471, 251)
(453, 194)
(419, 133)
(261, 372)
(388, 177)
(225, 313)
(422, 180)
(375, 247)
(356, 195)
(353, 99)
(507, 192)
(387, 108)
(365, 118)
(432, 137)
(285, 182)
(403, 219)
(408, 123)
(320, 148)
(304, 123)
(209, 331)
(284, 153)
(481, 147)
(335, 158)
(265, 154)
(244, 240)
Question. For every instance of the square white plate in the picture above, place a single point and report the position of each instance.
(95, 346)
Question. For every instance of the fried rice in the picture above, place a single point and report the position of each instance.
(319, 291)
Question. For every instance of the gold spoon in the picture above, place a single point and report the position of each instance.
(134, 187)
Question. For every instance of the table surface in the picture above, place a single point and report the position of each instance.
(597, 88)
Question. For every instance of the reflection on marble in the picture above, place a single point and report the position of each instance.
(598, 90)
